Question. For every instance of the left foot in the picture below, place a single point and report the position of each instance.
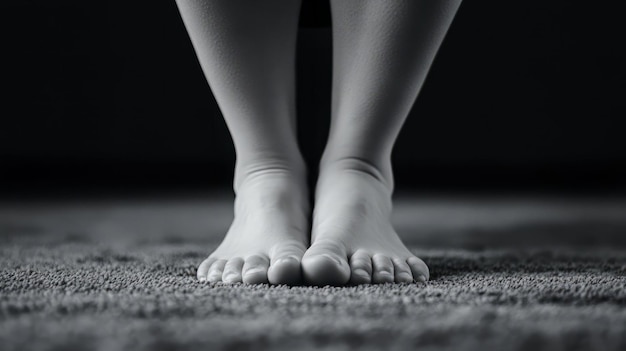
(352, 239)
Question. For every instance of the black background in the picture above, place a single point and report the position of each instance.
(523, 95)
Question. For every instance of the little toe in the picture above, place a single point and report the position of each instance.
(232, 270)
(419, 269)
(361, 267)
(383, 269)
(216, 270)
(401, 271)
(325, 263)
(203, 269)
(254, 270)
(285, 265)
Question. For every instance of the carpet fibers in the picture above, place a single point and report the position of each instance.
(110, 276)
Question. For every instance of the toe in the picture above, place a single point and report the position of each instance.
(203, 269)
(401, 271)
(254, 270)
(285, 264)
(232, 270)
(361, 268)
(419, 269)
(383, 269)
(215, 272)
(325, 263)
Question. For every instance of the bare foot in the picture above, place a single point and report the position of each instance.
(269, 233)
(352, 238)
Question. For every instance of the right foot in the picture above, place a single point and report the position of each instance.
(269, 233)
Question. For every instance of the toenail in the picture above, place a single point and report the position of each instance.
(202, 279)
(336, 260)
(254, 270)
(287, 260)
(228, 277)
(421, 278)
(405, 276)
(361, 272)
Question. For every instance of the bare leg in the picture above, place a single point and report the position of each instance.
(247, 51)
(383, 50)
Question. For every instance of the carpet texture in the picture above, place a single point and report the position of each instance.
(110, 276)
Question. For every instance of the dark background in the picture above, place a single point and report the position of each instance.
(109, 95)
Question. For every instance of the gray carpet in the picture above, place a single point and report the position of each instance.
(515, 274)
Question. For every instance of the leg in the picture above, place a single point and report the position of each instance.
(383, 50)
(247, 51)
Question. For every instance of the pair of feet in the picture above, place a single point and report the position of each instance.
(350, 239)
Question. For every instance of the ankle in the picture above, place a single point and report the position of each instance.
(252, 171)
(380, 171)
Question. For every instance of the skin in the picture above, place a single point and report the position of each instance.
(249, 62)
(382, 52)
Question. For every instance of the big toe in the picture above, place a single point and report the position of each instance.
(325, 264)
(285, 267)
